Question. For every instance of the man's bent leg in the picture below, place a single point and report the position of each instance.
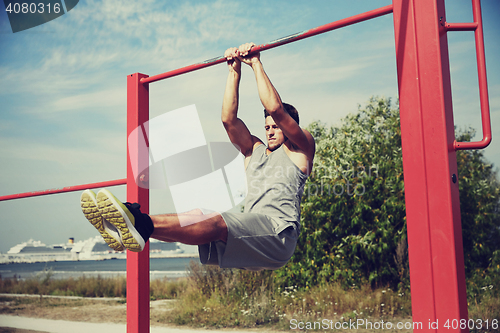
(192, 228)
(195, 227)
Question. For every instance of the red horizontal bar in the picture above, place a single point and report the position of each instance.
(285, 40)
(460, 26)
(64, 189)
(473, 145)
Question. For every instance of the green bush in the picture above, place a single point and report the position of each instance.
(353, 210)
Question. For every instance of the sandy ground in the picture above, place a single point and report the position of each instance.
(28, 314)
(15, 324)
(97, 310)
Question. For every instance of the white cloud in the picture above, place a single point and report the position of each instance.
(90, 150)
(93, 100)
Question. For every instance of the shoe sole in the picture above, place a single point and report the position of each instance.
(118, 214)
(88, 203)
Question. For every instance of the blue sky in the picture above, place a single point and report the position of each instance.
(63, 87)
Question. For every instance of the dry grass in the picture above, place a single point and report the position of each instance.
(43, 284)
(216, 298)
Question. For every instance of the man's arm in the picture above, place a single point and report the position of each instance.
(272, 103)
(235, 127)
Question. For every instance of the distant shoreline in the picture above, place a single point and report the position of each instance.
(152, 255)
(172, 267)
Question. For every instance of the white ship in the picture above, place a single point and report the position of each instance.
(90, 249)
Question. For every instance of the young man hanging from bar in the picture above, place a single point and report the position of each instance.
(264, 236)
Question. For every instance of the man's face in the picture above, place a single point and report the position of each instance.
(274, 135)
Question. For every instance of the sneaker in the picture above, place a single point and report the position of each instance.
(88, 202)
(134, 226)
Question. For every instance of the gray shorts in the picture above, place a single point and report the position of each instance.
(254, 242)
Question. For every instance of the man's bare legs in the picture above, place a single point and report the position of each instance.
(192, 228)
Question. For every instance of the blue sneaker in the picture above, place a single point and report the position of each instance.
(88, 203)
(134, 227)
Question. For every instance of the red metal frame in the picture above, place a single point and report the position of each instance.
(429, 158)
(477, 27)
(137, 263)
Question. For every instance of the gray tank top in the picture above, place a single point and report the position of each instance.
(275, 185)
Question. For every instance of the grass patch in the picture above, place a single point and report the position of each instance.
(167, 289)
(43, 284)
(485, 307)
(10, 305)
(219, 298)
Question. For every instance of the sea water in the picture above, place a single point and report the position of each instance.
(170, 268)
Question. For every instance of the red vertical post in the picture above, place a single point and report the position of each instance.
(137, 263)
(435, 245)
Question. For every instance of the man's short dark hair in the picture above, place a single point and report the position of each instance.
(290, 109)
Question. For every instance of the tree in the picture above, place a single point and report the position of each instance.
(353, 210)
(480, 215)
